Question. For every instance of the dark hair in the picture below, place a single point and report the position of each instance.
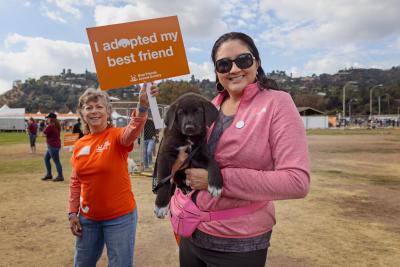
(55, 122)
(262, 80)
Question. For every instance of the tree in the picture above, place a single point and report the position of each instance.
(171, 90)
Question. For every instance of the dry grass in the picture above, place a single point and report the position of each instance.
(350, 218)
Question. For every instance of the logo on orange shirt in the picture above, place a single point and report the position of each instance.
(103, 147)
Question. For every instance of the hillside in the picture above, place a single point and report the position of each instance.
(324, 92)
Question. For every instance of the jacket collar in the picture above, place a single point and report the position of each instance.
(249, 92)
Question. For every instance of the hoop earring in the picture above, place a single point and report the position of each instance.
(219, 86)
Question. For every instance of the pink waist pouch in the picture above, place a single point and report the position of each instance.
(185, 216)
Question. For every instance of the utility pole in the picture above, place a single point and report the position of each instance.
(344, 99)
(388, 102)
(379, 105)
(370, 98)
(350, 101)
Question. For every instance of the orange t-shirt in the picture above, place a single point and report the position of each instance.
(100, 162)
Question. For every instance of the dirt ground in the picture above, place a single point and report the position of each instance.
(350, 218)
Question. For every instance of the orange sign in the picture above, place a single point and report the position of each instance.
(70, 139)
(138, 52)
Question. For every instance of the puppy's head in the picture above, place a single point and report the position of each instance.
(190, 114)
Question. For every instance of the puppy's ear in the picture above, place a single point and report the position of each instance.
(169, 119)
(210, 113)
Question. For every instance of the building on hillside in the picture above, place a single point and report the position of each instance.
(313, 118)
(12, 119)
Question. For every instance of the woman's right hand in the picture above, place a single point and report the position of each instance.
(75, 226)
(197, 178)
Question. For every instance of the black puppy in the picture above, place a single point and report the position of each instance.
(187, 120)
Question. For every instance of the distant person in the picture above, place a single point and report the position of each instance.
(77, 128)
(150, 136)
(42, 125)
(32, 132)
(102, 207)
(52, 133)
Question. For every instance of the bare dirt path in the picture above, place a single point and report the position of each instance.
(350, 218)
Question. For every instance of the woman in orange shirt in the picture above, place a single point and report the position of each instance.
(102, 208)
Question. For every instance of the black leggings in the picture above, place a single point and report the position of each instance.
(192, 256)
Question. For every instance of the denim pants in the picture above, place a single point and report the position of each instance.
(32, 140)
(53, 153)
(148, 152)
(117, 234)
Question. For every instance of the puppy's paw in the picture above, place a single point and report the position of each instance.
(161, 212)
(214, 191)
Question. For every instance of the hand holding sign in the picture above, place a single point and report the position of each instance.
(147, 98)
(158, 122)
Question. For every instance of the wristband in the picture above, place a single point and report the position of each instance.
(72, 214)
(142, 109)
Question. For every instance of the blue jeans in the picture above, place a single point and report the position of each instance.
(53, 153)
(148, 152)
(32, 140)
(117, 234)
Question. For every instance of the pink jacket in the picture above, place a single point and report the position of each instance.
(263, 156)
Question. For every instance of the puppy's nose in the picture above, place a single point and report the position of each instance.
(189, 127)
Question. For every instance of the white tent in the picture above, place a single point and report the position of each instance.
(12, 119)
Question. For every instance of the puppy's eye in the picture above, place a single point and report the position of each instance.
(180, 112)
(199, 110)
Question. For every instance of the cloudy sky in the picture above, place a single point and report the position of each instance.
(300, 37)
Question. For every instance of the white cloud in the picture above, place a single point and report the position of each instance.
(395, 45)
(53, 15)
(54, 8)
(198, 19)
(5, 85)
(40, 56)
(330, 23)
(27, 4)
(195, 49)
(330, 63)
(201, 71)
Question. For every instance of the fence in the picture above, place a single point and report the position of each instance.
(121, 117)
(377, 121)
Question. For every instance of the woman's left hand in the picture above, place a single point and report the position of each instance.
(143, 99)
(197, 178)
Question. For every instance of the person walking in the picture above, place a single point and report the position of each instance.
(102, 207)
(52, 133)
(260, 145)
(149, 136)
(32, 132)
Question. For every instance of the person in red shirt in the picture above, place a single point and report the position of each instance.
(32, 132)
(52, 133)
(102, 208)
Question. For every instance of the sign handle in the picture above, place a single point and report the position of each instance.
(158, 121)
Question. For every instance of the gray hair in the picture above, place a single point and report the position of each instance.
(93, 95)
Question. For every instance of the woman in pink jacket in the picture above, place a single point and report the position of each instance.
(260, 145)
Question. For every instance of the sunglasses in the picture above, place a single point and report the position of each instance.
(242, 61)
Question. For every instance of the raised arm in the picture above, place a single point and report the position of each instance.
(138, 118)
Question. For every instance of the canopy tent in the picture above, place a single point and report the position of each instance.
(12, 119)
